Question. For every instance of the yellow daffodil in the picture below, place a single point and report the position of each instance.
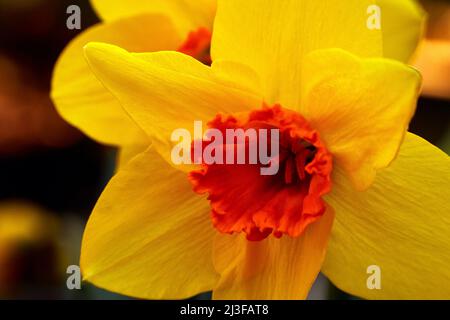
(28, 238)
(138, 26)
(354, 190)
(403, 27)
(183, 25)
(433, 57)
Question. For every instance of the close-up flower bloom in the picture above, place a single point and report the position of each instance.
(354, 188)
(224, 150)
(182, 25)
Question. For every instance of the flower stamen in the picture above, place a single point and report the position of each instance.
(197, 45)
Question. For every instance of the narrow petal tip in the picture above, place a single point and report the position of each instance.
(98, 50)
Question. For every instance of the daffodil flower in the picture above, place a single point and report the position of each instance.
(354, 190)
(28, 235)
(183, 25)
(138, 26)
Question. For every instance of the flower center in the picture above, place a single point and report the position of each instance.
(197, 45)
(244, 200)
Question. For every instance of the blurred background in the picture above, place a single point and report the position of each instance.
(51, 174)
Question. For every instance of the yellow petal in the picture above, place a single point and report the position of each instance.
(361, 108)
(401, 224)
(149, 235)
(81, 98)
(271, 269)
(187, 15)
(272, 37)
(165, 91)
(403, 24)
(128, 152)
(23, 223)
(237, 75)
